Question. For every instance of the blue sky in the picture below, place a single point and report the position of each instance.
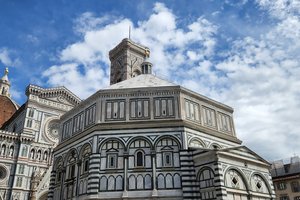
(243, 53)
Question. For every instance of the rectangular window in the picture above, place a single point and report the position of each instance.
(30, 112)
(86, 165)
(58, 177)
(192, 110)
(67, 130)
(90, 115)
(121, 110)
(72, 171)
(281, 186)
(167, 159)
(21, 169)
(157, 107)
(108, 110)
(295, 186)
(24, 151)
(285, 197)
(78, 122)
(19, 182)
(112, 161)
(29, 123)
(224, 122)
(164, 107)
(115, 110)
(209, 116)
(139, 108)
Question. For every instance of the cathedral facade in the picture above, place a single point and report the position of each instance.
(27, 138)
(146, 138)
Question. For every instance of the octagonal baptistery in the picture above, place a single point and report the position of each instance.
(147, 138)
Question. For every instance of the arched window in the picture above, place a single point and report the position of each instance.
(11, 150)
(71, 165)
(206, 182)
(3, 150)
(139, 159)
(32, 154)
(235, 180)
(24, 151)
(45, 156)
(113, 150)
(39, 154)
(167, 151)
(85, 155)
(197, 143)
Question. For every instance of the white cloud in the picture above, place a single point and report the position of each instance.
(15, 94)
(257, 76)
(281, 9)
(159, 32)
(6, 58)
(69, 75)
(262, 77)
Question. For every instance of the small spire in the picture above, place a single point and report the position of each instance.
(6, 71)
(5, 84)
(146, 65)
(5, 77)
(147, 53)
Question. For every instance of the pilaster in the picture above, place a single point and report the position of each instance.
(93, 178)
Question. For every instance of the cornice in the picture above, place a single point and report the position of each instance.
(15, 136)
(150, 124)
(51, 92)
(123, 93)
(206, 99)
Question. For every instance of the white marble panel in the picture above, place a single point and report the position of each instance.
(159, 160)
(131, 182)
(119, 183)
(169, 181)
(148, 182)
(177, 181)
(140, 182)
(131, 161)
(176, 159)
(103, 183)
(148, 161)
(103, 164)
(160, 181)
(111, 183)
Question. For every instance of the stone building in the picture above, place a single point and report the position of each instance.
(146, 138)
(286, 179)
(27, 138)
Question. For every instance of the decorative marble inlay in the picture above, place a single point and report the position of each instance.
(3, 173)
(52, 130)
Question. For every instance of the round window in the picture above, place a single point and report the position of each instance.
(52, 128)
(3, 172)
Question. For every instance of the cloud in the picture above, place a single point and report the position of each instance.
(258, 75)
(82, 83)
(15, 93)
(169, 44)
(6, 58)
(262, 77)
(280, 9)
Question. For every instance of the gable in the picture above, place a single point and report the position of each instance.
(57, 94)
(244, 152)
